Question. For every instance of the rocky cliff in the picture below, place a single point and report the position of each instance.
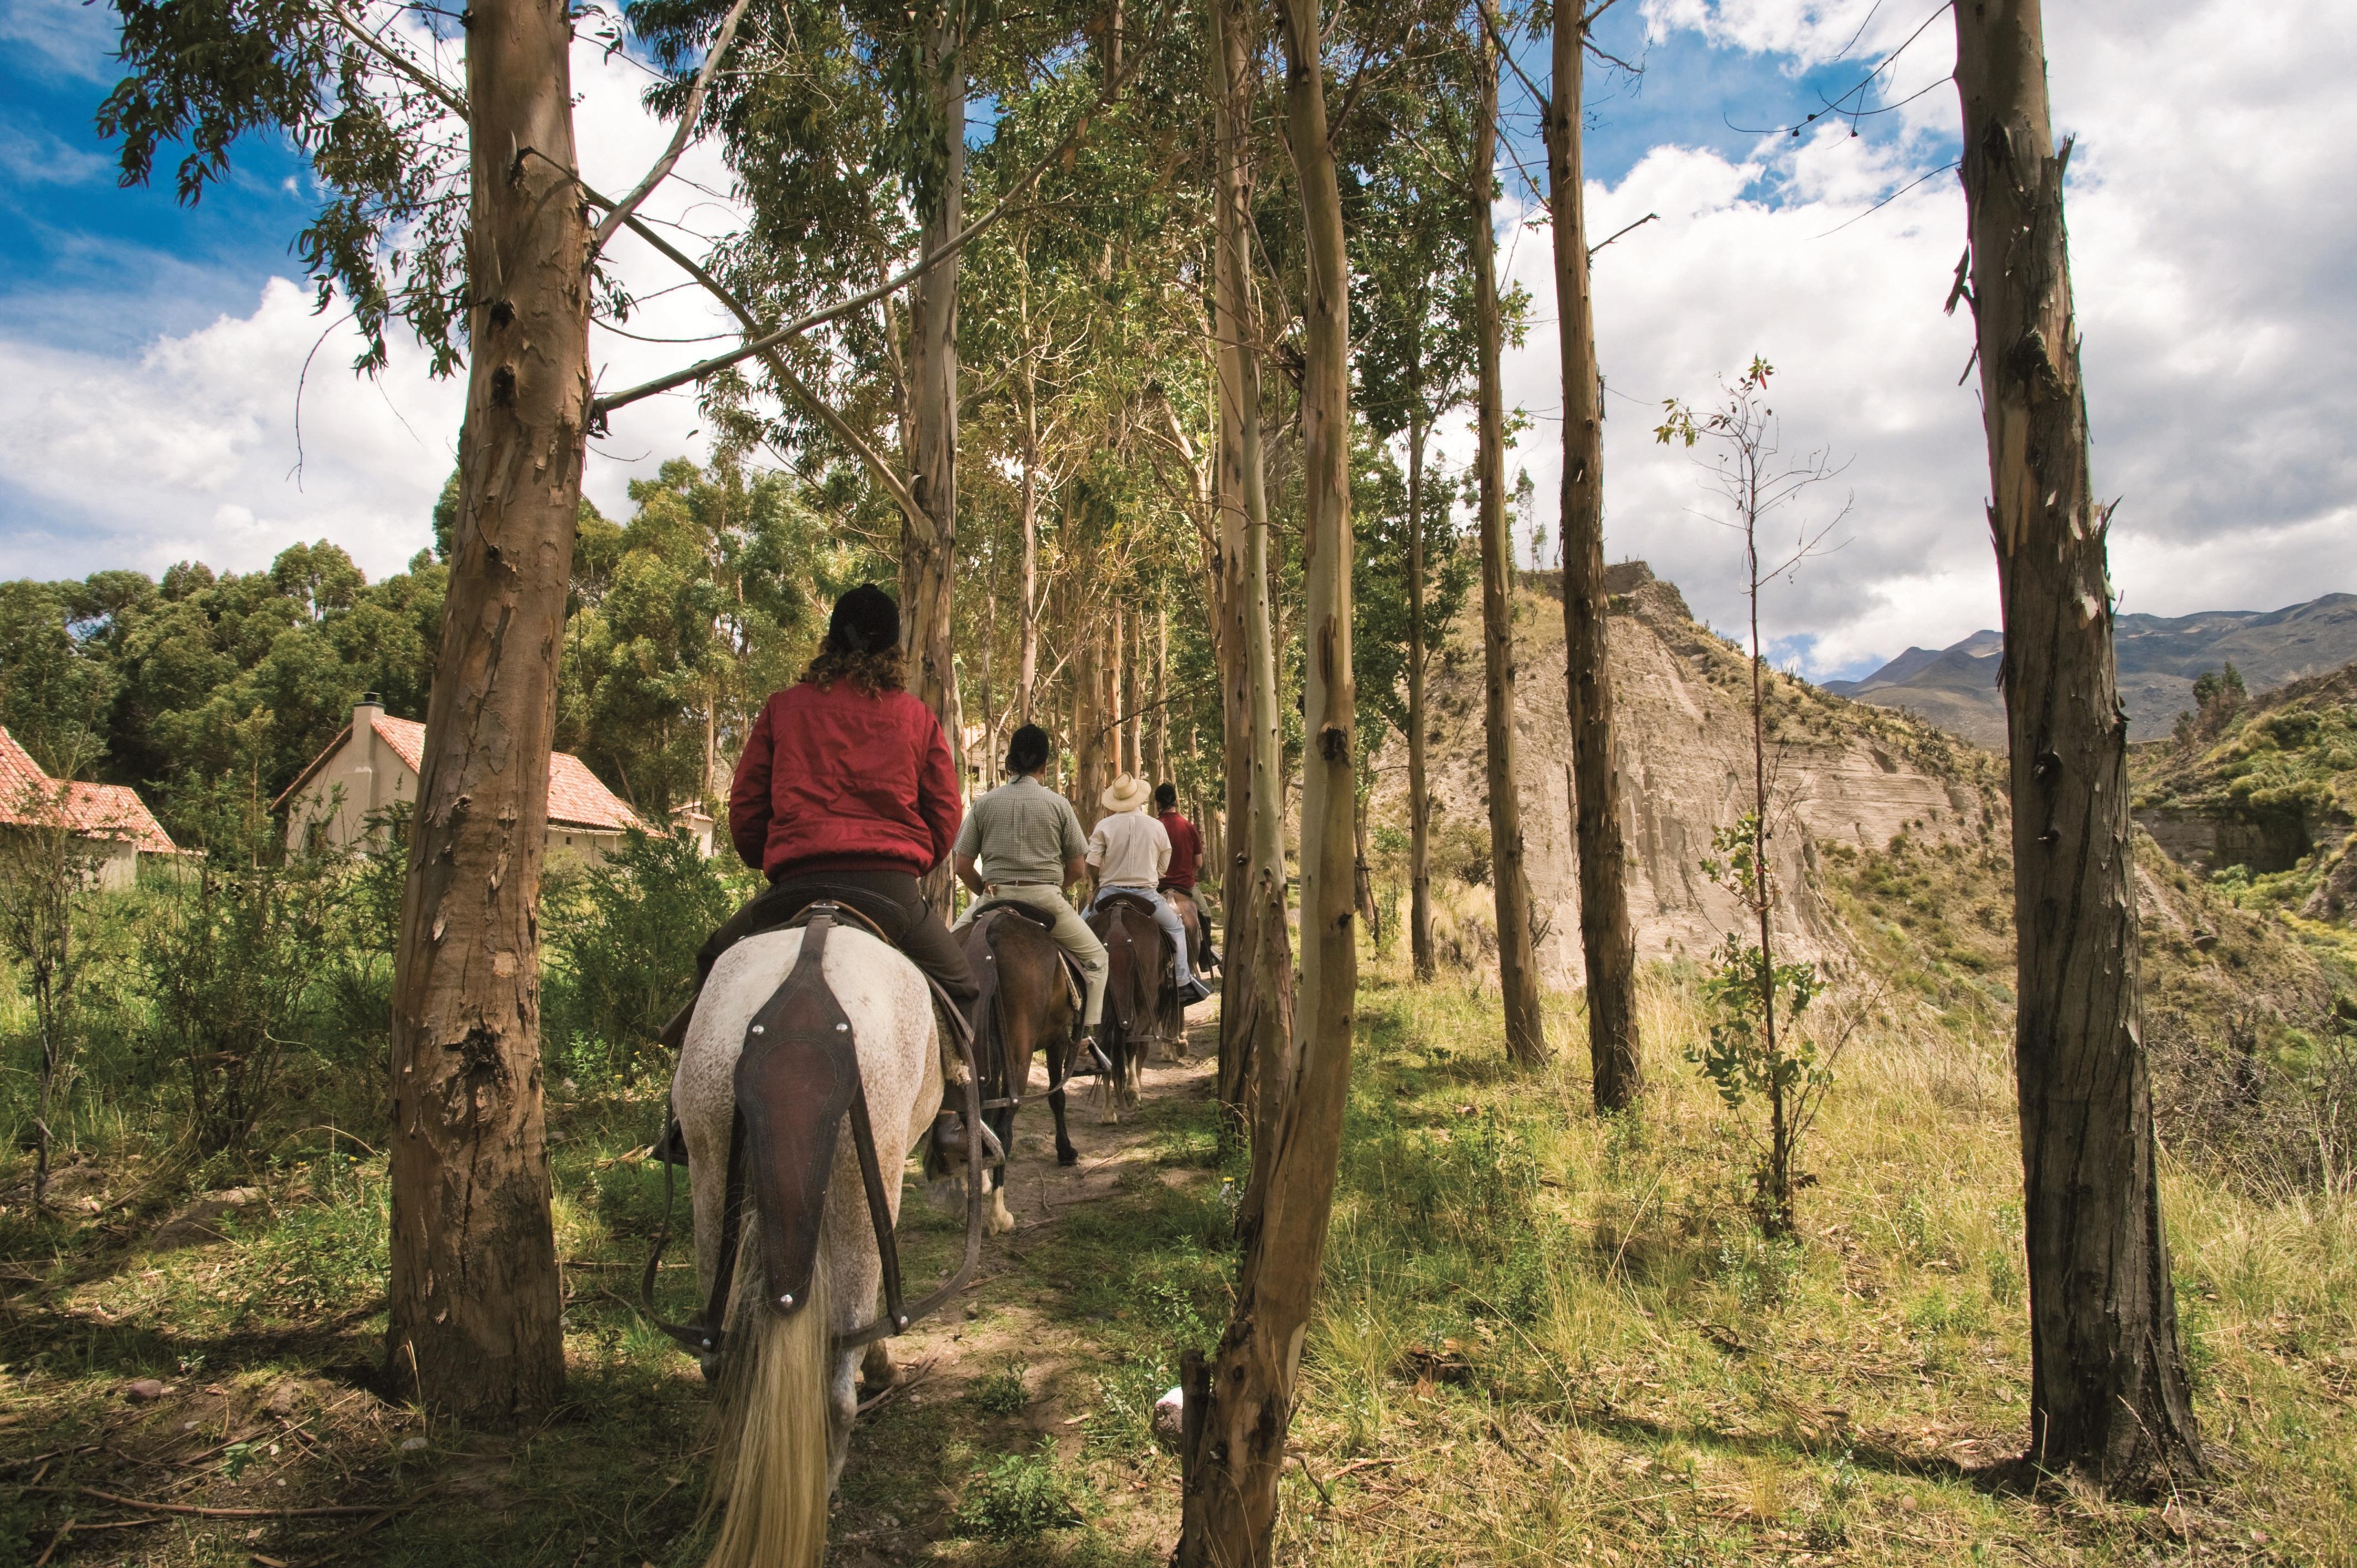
(1841, 772)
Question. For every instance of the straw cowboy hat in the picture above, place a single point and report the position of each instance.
(1127, 793)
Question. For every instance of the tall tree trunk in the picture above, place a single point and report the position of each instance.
(1028, 678)
(1245, 1404)
(1517, 970)
(1092, 733)
(1608, 941)
(1256, 988)
(1419, 790)
(1117, 679)
(474, 1297)
(929, 549)
(2108, 1389)
(1161, 761)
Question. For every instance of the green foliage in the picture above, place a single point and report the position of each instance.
(682, 622)
(1015, 1496)
(387, 238)
(624, 934)
(1759, 1046)
(1746, 991)
(228, 967)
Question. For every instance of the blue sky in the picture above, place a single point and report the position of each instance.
(148, 362)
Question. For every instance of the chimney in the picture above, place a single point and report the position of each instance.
(369, 709)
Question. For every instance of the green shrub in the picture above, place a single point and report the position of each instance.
(1017, 1495)
(229, 961)
(1002, 1392)
(624, 934)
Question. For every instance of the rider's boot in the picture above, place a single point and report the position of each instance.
(949, 1134)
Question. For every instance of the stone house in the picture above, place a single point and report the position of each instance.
(373, 764)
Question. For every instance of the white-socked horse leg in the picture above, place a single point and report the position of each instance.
(995, 1220)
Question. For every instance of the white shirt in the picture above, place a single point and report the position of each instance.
(1129, 849)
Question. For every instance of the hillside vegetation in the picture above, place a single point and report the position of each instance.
(2263, 796)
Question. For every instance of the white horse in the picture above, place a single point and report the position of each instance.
(786, 1398)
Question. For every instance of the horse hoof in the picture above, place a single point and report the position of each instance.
(1068, 1157)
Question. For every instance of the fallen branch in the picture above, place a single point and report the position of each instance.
(340, 1510)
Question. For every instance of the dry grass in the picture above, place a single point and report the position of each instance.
(1618, 1369)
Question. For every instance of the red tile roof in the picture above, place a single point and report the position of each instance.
(116, 811)
(29, 796)
(576, 797)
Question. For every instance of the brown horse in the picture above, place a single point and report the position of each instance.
(1142, 1006)
(1200, 956)
(1027, 1006)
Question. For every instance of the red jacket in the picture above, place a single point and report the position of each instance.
(1185, 852)
(838, 781)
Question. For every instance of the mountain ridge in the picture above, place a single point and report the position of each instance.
(2159, 656)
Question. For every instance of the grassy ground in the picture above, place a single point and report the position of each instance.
(1545, 1339)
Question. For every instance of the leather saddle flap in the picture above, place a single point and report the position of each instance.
(988, 915)
(796, 1078)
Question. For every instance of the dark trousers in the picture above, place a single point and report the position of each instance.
(882, 895)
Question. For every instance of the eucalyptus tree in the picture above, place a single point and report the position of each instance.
(1256, 1001)
(458, 213)
(455, 212)
(2109, 1395)
(1412, 320)
(1236, 1438)
(1510, 882)
(1608, 940)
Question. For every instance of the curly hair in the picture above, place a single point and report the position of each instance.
(873, 673)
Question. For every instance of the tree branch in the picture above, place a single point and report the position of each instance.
(1648, 218)
(449, 97)
(1490, 25)
(752, 346)
(621, 214)
(835, 423)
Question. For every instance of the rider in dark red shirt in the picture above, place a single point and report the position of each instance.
(1186, 843)
(846, 784)
(1186, 863)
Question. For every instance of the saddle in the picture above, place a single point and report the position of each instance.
(1137, 901)
(993, 908)
(797, 1080)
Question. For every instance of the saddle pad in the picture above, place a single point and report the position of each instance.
(796, 1078)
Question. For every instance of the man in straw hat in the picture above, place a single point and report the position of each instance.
(1128, 854)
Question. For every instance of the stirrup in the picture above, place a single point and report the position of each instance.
(670, 1149)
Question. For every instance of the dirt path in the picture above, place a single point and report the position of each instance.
(955, 1403)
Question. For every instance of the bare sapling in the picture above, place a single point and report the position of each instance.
(1760, 1046)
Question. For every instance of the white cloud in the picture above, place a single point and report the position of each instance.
(2213, 293)
(61, 39)
(188, 448)
(38, 158)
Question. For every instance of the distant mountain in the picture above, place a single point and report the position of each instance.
(1955, 687)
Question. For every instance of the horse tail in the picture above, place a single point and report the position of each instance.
(769, 1463)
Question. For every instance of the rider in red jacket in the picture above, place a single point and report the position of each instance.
(846, 786)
